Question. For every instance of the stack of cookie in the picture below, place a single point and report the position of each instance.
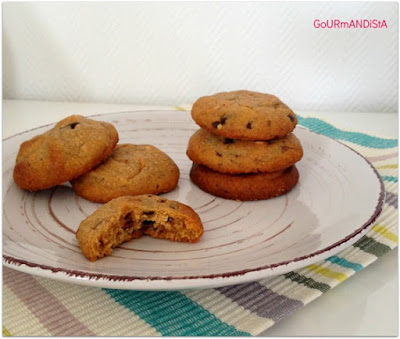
(245, 149)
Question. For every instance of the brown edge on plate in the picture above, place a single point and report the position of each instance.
(72, 273)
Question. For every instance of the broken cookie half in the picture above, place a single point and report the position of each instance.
(129, 217)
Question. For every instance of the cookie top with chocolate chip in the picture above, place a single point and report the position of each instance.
(71, 148)
(243, 156)
(244, 115)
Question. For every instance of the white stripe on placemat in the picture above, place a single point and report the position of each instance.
(19, 318)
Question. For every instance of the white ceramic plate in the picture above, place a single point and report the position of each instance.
(338, 197)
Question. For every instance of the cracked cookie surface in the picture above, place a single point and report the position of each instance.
(72, 147)
(245, 187)
(130, 170)
(244, 115)
(243, 156)
(129, 217)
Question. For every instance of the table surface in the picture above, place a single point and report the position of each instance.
(364, 305)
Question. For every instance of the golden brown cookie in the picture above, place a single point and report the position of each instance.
(129, 217)
(244, 186)
(244, 115)
(130, 170)
(73, 147)
(243, 156)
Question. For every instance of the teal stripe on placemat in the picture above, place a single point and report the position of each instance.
(345, 263)
(173, 314)
(389, 178)
(362, 139)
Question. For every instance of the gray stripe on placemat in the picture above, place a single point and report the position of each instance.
(47, 308)
(382, 157)
(261, 300)
(392, 199)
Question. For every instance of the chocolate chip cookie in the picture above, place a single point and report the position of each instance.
(244, 186)
(244, 115)
(243, 156)
(130, 170)
(73, 147)
(130, 217)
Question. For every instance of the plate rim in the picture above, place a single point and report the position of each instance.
(197, 281)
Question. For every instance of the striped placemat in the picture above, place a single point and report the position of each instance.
(35, 306)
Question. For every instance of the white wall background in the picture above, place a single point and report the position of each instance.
(174, 52)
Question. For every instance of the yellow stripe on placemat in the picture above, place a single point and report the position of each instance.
(385, 233)
(179, 108)
(6, 333)
(387, 166)
(327, 272)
